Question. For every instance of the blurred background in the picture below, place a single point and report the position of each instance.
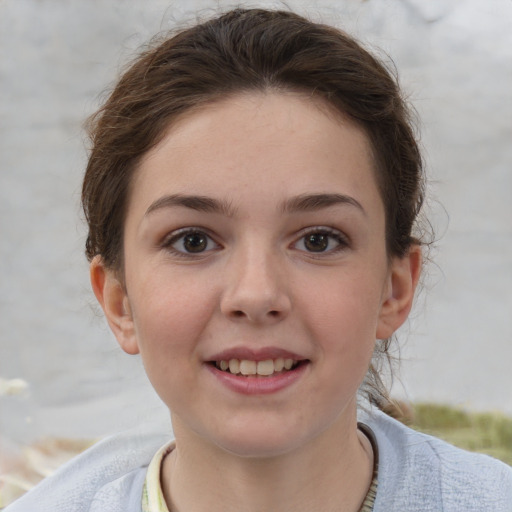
(57, 56)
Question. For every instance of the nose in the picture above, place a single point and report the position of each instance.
(256, 289)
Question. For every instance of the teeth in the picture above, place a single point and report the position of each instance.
(263, 368)
(247, 367)
(234, 366)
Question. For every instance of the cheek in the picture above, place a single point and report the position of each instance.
(169, 325)
(342, 316)
(169, 321)
(344, 308)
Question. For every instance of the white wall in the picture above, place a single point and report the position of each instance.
(56, 56)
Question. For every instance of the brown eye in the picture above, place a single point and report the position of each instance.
(316, 242)
(322, 240)
(195, 242)
(191, 242)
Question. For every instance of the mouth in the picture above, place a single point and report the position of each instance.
(257, 372)
(252, 368)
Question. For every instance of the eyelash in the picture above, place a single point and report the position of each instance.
(332, 234)
(176, 236)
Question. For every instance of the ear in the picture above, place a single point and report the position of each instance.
(111, 295)
(403, 278)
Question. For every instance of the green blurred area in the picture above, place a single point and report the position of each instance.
(489, 433)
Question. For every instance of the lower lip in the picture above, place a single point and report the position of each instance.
(254, 385)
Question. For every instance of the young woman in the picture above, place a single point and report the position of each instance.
(251, 193)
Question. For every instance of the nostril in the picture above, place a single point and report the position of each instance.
(238, 313)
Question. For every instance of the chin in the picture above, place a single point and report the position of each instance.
(259, 448)
(262, 440)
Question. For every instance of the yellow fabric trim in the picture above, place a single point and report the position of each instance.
(369, 501)
(152, 495)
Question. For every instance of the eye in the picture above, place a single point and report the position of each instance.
(321, 240)
(190, 241)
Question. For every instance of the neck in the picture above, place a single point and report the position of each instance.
(331, 473)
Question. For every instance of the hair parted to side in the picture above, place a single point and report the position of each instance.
(241, 51)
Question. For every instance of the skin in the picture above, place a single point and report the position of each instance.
(258, 285)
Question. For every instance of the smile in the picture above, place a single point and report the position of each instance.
(247, 367)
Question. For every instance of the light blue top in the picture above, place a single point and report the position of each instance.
(417, 473)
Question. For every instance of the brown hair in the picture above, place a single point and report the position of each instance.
(249, 50)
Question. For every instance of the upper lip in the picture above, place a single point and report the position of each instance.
(251, 354)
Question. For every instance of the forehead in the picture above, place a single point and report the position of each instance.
(266, 142)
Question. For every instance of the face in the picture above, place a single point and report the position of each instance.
(256, 274)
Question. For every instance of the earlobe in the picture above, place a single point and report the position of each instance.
(111, 295)
(403, 279)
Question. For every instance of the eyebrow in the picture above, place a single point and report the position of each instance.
(300, 203)
(199, 203)
(312, 202)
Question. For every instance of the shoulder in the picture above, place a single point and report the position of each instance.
(108, 476)
(418, 472)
